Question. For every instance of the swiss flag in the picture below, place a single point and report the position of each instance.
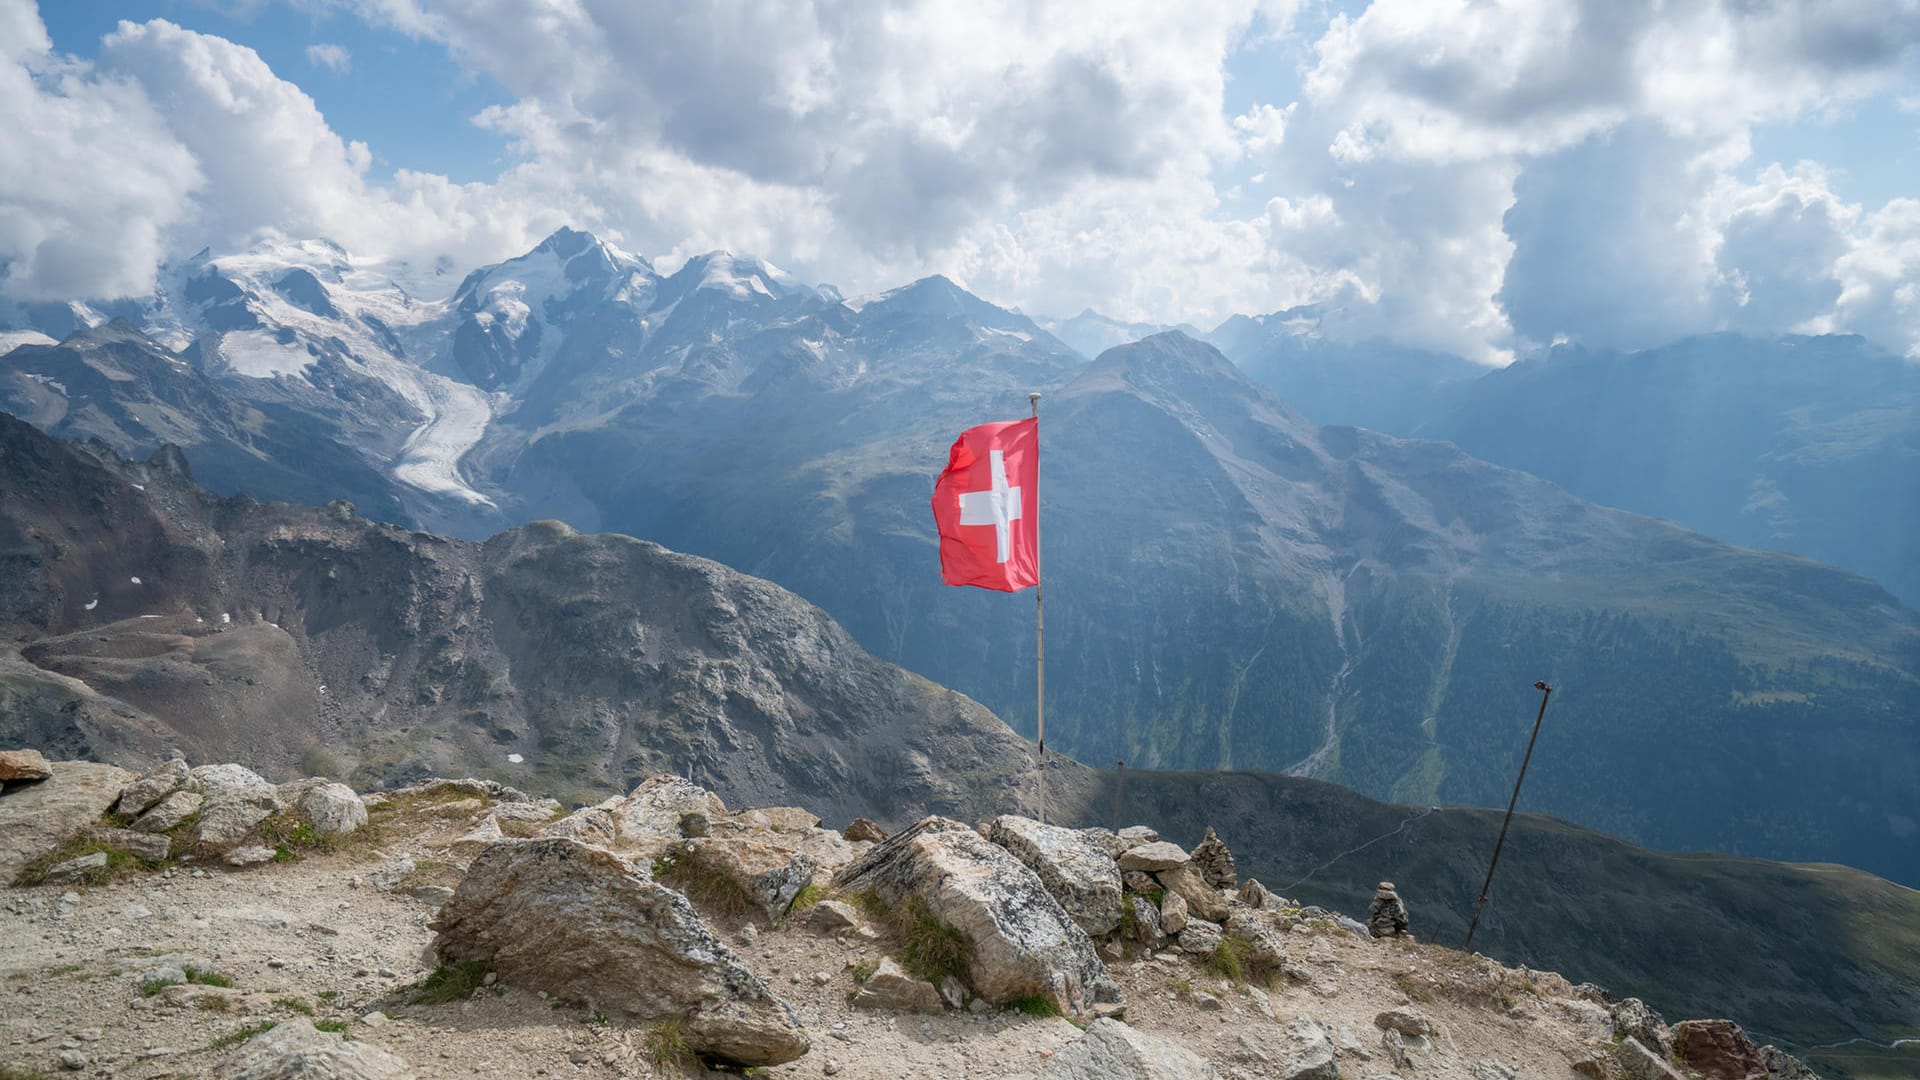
(987, 507)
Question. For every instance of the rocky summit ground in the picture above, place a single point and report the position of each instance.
(459, 928)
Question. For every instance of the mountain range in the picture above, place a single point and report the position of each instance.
(1231, 585)
(145, 616)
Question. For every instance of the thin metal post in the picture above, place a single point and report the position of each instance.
(1545, 693)
(1119, 786)
(1039, 634)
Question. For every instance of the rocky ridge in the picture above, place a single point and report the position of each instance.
(456, 927)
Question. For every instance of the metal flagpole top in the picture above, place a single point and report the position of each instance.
(1033, 399)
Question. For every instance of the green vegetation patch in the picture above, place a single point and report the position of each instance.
(235, 1038)
(1035, 1005)
(121, 863)
(665, 1044)
(449, 982)
(926, 946)
(333, 1024)
(714, 893)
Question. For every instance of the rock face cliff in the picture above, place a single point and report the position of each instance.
(143, 616)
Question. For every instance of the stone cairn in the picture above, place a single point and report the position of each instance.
(1387, 916)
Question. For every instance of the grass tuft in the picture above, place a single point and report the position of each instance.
(808, 896)
(932, 950)
(235, 1038)
(665, 1044)
(714, 893)
(449, 982)
(294, 1004)
(864, 970)
(334, 1025)
(1035, 1005)
(207, 977)
(121, 863)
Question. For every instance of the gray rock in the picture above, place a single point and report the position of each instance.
(1387, 915)
(658, 804)
(1489, 1069)
(72, 1060)
(392, 874)
(1635, 1062)
(862, 829)
(1206, 1002)
(1784, 1066)
(249, 855)
(210, 778)
(1214, 862)
(1200, 937)
(34, 819)
(1256, 896)
(1076, 869)
(833, 916)
(1139, 881)
(169, 812)
(1404, 1021)
(230, 812)
(138, 797)
(768, 875)
(1136, 835)
(1155, 857)
(582, 923)
(1147, 928)
(953, 992)
(1202, 899)
(295, 1050)
(140, 845)
(478, 837)
(1173, 913)
(1108, 840)
(589, 825)
(1266, 943)
(1110, 1050)
(1406, 1051)
(1023, 943)
(1306, 1052)
(333, 809)
(75, 868)
(892, 989)
(1635, 1018)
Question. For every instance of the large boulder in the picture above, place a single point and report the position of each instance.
(890, 987)
(169, 812)
(1154, 857)
(138, 797)
(1718, 1050)
(1633, 1061)
(1635, 1018)
(34, 819)
(589, 825)
(1305, 1052)
(229, 813)
(208, 778)
(764, 877)
(1784, 1066)
(1074, 866)
(1110, 1050)
(584, 924)
(331, 808)
(657, 806)
(296, 1050)
(1023, 942)
(19, 766)
(1202, 899)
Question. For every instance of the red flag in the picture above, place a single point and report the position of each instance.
(987, 507)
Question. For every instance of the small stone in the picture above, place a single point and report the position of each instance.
(1173, 913)
(820, 978)
(832, 916)
(832, 1067)
(580, 1057)
(1207, 1002)
(1155, 857)
(249, 855)
(378, 1019)
(491, 978)
(863, 829)
(73, 1060)
(275, 962)
(74, 868)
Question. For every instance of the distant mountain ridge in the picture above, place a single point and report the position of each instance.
(1232, 585)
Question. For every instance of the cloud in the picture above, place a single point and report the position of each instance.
(1473, 176)
(334, 58)
(90, 181)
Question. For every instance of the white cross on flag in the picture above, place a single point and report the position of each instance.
(987, 507)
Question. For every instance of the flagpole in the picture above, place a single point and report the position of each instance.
(1039, 632)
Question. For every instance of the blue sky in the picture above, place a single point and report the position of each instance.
(1480, 176)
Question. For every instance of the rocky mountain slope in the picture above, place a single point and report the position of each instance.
(1807, 444)
(456, 928)
(143, 615)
